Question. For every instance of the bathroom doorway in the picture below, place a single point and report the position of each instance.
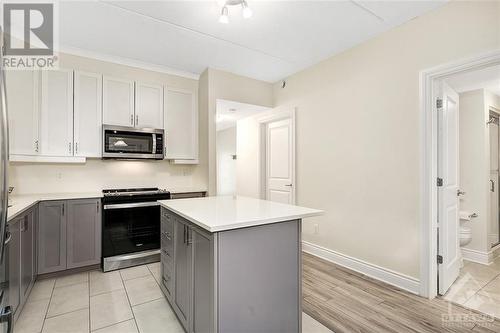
(494, 225)
(236, 163)
(468, 195)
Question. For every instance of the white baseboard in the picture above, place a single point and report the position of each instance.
(479, 257)
(494, 253)
(396, 279)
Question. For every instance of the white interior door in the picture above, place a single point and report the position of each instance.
(448, 171)
(493, 229)
(280, 156)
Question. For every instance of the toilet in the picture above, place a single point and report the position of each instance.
(465, 233)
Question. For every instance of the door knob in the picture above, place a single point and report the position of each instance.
(460, 193)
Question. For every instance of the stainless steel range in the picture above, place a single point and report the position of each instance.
(131, 227)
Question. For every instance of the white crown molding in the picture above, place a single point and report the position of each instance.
(388, 276)
(127, 62)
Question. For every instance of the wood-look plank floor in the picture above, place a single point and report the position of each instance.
(346, 301)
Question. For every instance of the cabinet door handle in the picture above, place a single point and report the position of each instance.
(69, 147)
(63, 209)
(137, 119)
(132, 119)
(189, 236)
(76, 148)
(184, 238)
(97, 207)
(36, 146)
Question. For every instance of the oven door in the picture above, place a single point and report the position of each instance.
(130, 227)
(122, 142)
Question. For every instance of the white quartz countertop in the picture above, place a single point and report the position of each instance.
(220, 213)
(22, 202)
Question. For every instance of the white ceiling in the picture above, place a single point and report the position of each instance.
(487, 78)
(280, 39)
(229, 112)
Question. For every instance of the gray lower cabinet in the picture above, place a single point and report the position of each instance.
(203, 279)
(22, 258)
(231, 281)
(182, 272)
(69, 234)
(15, 264)
(28, 253)
(186, 272)
(83, 245)
(52, 236)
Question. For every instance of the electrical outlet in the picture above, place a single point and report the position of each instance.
(316, 229)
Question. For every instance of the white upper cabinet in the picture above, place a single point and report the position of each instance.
(56, 113)
(118, 102)
(181, 125)
(148, 105)
(23, 109)
(88, 114)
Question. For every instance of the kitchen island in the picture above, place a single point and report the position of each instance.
(233, 264)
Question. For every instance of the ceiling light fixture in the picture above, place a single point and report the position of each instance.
(224, 15)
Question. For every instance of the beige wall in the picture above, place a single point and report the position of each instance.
(97, 174)
(223, 85)
(358, 135)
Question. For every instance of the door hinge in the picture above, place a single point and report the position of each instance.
(439, 259)
(439, 103)
(439, 182)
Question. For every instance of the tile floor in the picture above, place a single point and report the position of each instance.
(125, 301)
(478, 288)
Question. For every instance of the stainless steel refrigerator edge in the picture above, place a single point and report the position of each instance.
(6, 316)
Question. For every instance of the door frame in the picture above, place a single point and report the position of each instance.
(429, 160)
(496, 112)
(264, 120)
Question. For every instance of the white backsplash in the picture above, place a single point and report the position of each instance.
(96, 174)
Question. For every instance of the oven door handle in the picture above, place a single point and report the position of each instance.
(132, 205)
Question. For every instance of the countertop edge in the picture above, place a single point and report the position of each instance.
(30, 200)
(246, 224)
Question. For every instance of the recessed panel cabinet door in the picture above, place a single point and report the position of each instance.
(181, 124)
(23, 106)
(14, 264)
(118, 101)
(148, 105)
(88, 114)
(203, 262)
(57, 113)
(27, 259)
(52, 236)
(182, 271)
(83, 233)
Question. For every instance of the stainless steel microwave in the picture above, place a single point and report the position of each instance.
(132, 143)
